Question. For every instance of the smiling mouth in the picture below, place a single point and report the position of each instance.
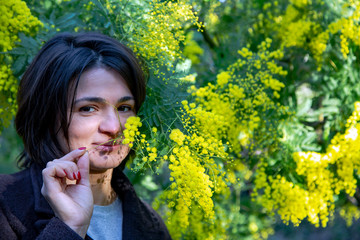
(107, 146)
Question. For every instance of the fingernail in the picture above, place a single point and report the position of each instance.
(79, 176)
(82, 148)
(74, 176)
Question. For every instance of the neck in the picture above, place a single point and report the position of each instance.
(101, 187)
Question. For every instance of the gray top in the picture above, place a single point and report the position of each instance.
(106, 222)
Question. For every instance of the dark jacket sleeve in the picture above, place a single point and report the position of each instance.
(11, 228)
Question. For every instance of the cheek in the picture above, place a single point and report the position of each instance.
(81, 132)
(62, 141)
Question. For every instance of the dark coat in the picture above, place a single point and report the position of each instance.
(25, 214)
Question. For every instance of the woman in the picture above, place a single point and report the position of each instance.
(74, 100)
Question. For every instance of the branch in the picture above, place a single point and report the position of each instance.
(212, 44)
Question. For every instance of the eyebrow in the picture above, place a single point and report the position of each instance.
(102, 100)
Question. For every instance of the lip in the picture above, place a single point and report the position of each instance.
(106, 147)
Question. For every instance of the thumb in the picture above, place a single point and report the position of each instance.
(83, 165)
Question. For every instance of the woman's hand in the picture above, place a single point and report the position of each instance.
(72, 203)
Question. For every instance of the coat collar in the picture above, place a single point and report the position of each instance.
(42, 207)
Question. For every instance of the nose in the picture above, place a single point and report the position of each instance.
(110, 123)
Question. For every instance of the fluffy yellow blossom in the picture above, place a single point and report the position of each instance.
(350, 213)
(195, 174)
(315, 199)
(8, 90)
(157, 38)
(295, 33)
(177, 136)
(192, 188)
(299, 26)
(212, 19)
(230, 108)
(191, 78)
(300, 3)
(15, 17)
(131, 129)
(223, 78)
(318, 46)
(348, 27)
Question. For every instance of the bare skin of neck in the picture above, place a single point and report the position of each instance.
(101, 188)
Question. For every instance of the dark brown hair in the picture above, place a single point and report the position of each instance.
(51, 80)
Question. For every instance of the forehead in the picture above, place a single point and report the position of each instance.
(102, 82)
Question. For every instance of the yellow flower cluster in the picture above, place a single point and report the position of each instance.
(281, 195)
(292, 202)
(15, 17)
(206, 121)
(159, 36)
(183, 216)
(191, 78)
(131, 130)
(146, 150)
(318, 45)
(223, 78)
(298, 30)
(349, 26)
(8, 89)
(195, 178)
(236, 101)
(232, 108)
(211, 18)
(319, 184)
(315, 198)
(300, 3)
(301, 25)
(350, 212)
(295, 33)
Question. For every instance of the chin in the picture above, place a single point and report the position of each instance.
(104, 160)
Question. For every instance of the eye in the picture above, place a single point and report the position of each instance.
(124, 108)
(87, 109)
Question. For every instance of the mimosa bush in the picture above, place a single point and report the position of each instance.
(247, 107)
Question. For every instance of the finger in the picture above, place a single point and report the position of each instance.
(83, 165)
(73, 155)
(70, 168)
(53, 170)
(51, 177)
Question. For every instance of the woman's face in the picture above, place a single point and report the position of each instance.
(103, 102)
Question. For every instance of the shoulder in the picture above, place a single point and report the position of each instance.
(15, 199)
(15, 183)
(16, 191)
